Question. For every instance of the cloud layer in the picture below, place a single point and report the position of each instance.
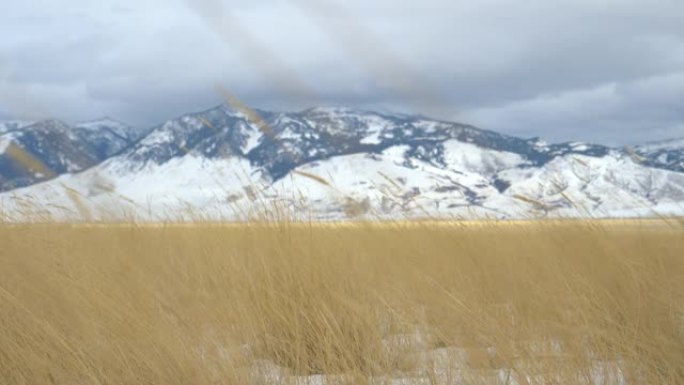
(609, 71)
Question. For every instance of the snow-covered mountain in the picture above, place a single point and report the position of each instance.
(35, 152)
(667, 154)
(288, 140)
(334, 163)
(11, 125)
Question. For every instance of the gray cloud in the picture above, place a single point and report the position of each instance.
(614, 113)
(607, 71)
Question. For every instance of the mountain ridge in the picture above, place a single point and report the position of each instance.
(218, 157)
(39, 151)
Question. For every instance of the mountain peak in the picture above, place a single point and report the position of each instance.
(49, 125)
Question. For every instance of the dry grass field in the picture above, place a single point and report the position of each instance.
(565, 302)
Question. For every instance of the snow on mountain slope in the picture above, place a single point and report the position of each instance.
(188, 179)
(329, 163)
(359, 185)
(389, 185)
(183, 188)
(667, 154)
(41, 151)
(107, 135)
(253, 136)
(214, 134)
(467, 156)
(385, 185)
(595, 186)
(11, 125)
(289, 140)
(381, 185)
(5, 142)
(44, 150)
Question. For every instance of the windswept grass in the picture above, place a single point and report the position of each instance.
(473, 303)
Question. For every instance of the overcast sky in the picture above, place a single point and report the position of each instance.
(608, 71)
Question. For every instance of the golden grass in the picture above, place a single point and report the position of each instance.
(514, 302)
